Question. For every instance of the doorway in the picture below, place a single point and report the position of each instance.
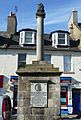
(76, 97)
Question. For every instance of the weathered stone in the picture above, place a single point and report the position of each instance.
(39, 117)
(29, 117)
(51, 111)
(37, 110)
(50, 103)
(24, 110)
(24, 94)
(20, 117)
(24, 102)
(24, 85)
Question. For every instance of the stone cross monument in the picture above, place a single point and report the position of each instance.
(39, 83)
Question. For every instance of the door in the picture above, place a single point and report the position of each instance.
(76, 100)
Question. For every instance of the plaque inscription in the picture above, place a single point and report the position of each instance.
(38, 95)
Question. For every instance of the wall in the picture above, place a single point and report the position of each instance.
(9, 61)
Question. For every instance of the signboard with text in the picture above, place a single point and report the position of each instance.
(38, 95)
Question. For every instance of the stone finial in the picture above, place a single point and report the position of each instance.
(40, 7)
(74, 9)
(40, 10)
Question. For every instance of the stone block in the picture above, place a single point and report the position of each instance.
(39, 117)
(50, 103)
(24, 85)
(37, 110)
(24, 94)
(20, 117)
(24, 110)
(50, 112)
(52, 117)
(29, 117)
(24, 102)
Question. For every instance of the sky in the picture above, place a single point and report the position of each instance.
(57, 13)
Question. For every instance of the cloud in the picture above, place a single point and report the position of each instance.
(53, 16)
(61, 15)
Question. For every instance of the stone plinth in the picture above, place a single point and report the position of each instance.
(40, 74)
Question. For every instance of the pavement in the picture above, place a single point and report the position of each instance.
(63, 117)
(71, 117)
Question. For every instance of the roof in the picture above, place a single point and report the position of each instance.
(6, 39)
(28, 29)
(60, 31)
(12, 42)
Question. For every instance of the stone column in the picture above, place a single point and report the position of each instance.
(40, 15)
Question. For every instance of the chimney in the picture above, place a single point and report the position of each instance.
(74, 17)
(12, 23)
(40, 15)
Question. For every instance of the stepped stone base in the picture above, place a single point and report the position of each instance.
(39, 72)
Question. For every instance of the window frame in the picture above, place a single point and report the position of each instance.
(47, 57)
(61, 39)
(23, 37)
(21, 63)
(66, 63)
(55, 39)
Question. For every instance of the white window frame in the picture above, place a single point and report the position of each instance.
(22, 37)
(55, 41)
(66, 63)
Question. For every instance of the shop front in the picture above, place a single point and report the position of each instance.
(14, 88)
(66, 95)
(76, 96)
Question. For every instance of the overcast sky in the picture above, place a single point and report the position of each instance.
(57, 13)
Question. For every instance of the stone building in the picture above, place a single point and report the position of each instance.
(74, 27)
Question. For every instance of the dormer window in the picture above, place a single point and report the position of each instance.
(60, 38)
(27, 37)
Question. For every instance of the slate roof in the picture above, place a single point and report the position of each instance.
(27, 29)
(12, 42)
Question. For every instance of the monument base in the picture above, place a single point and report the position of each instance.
(38, 92)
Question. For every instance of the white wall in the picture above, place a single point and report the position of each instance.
(9, 61)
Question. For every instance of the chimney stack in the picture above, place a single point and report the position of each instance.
(40, 15)
(12, 23)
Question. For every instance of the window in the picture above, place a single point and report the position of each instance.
(28, 37)
(47, 58)
(21, 37)
(21, 60)
(67, 63)
(54, 38)
(61, 38)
